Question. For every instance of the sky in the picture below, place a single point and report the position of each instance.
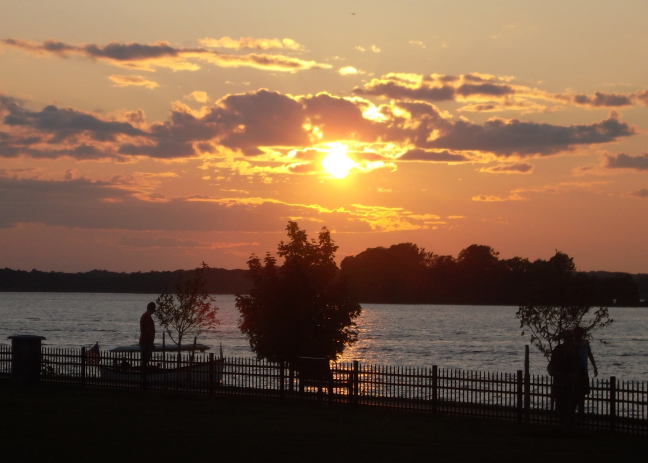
(155, 135)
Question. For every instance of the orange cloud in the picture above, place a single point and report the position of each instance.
(138, 81)
(200, 97)
(493, 198)
(250, 43)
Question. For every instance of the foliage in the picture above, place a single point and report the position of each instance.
(301, 308)
(405, 273)
(391, 275)
(189, 310)
(549, 323)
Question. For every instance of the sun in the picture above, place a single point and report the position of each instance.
(336, 162)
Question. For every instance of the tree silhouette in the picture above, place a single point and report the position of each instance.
(302, 308)
(548, 324)
(394, 275)
(566, 305)
(189, 310)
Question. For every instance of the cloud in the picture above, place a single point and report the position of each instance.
(417, 43)
(493, 198)
(137, 81)
(624, 161)
(508, 137)
(250, 43)
(349, 70)
(642, 97)
(200, 97)
(435, 87)
(147, 57)
(265, 124)
(488, 92)
(433, 156)
(514, 168)
(56, 132)
(87, 204)
(389, 219)
(600, 99)
(158, 242)
(642, 194)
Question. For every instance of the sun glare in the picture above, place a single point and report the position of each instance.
(336, 162)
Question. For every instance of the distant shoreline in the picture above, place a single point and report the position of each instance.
(218, 281)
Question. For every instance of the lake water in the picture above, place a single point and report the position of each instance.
(483, 338)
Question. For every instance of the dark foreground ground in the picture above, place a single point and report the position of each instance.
(58, 424)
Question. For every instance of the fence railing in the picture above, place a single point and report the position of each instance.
(611, 404)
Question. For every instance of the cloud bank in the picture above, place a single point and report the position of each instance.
(148, 57)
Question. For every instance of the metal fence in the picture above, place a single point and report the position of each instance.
(611, 404)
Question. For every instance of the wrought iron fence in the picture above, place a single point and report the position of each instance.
(611, 404)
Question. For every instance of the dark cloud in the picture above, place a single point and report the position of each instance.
(133, 51)
(306, 168)
(600, 99)
(507, 137)
(643, 193)
(158, 242)
(65, 123)
(515, 168)
(624, 161)
(433, 156)
(434, 88)
(162, 54)
(82, 203)
(482, 88)
(85, 204)
(397, 91)
(249, 122)
(485, 89)
(642, 96)
(57, 132)
(339, 118)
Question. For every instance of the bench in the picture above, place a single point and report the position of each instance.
(316, 372)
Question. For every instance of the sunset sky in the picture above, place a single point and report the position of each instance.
(153, 135)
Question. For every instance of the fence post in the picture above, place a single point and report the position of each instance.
(435, 378)
(282, 377)
(211, 374)
(83, 366)
(519, 396)
(26, 357)
(613, 391)
(527, 386)
(355, 383)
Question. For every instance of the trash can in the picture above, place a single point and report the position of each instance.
(25, 358)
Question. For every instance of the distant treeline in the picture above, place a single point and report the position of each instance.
(405, 273)
(400, 274)
(219, 281)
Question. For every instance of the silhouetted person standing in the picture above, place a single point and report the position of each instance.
(561, 368)
(147, 334)
(582, 353)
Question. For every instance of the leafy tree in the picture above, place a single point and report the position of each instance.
(479, 275)
(189, 310)
(395, 275)
(549, 323)
(567, 307)
(301, 308)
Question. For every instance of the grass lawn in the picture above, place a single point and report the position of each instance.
(68, 424)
